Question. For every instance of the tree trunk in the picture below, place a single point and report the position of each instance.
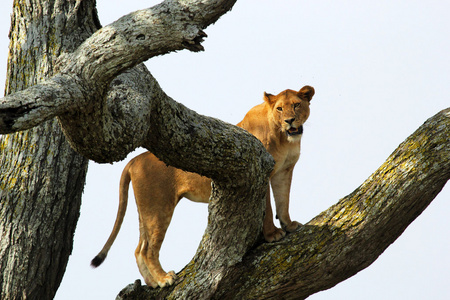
(335, 245)
(42, 178)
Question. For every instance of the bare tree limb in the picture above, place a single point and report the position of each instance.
(30, 107)
(105, 119)
(83, 110)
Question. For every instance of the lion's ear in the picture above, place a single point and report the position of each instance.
(268, 98)
(306, 92)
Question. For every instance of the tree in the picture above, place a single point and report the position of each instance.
(100, 131)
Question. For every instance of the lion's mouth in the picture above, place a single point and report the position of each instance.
(294, 131)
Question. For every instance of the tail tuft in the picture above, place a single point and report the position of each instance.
(97, 261)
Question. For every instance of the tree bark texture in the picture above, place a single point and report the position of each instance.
(336, 244)
(42, 178)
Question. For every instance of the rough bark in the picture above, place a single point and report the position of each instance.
(338, 243)
(42, 179)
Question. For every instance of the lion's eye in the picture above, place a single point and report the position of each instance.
(279, 108)
(296, 105)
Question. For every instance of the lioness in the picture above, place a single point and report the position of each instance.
(277, 123)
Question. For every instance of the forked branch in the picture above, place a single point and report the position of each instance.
(78, 92)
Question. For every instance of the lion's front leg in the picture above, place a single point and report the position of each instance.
(270, 231)
(281, 187)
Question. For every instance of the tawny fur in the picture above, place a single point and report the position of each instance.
(277, 123)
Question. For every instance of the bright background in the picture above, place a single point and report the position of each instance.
(380, 69)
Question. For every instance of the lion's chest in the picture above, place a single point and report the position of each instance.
(286, 158)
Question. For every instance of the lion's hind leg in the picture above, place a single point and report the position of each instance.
(156, 195)
(148, 278)
(153, 231)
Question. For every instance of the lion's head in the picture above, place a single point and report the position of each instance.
(290, 110)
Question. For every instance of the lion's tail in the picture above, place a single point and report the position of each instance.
(123, 200)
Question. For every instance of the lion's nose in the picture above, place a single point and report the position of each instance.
(289, 121)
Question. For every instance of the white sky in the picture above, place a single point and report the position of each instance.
(380, 69)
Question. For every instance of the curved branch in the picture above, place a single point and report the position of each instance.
(342, 240)
(138, 36)
(89, 120)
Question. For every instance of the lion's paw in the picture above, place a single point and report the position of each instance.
(292, 227)
(168, 279)
(274, 235)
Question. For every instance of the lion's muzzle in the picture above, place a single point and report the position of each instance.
(292, 131)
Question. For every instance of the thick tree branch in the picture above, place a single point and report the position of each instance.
(85, 115)
(134, 38)
(342, 240)
(106, 124)
(30, 107)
